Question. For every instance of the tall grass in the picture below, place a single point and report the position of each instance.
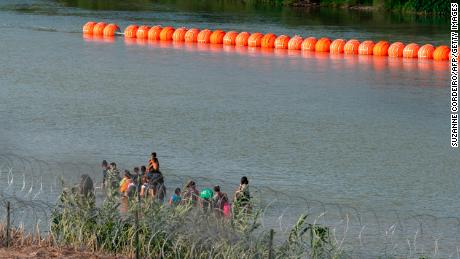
(19, 236)
(180, 232)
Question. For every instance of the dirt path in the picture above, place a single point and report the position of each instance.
(49, 252)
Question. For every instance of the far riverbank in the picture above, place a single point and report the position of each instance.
(422, 7)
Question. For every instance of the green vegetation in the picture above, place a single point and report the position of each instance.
(157, 231)
(438, 7)
(416, 6)
(180, 232)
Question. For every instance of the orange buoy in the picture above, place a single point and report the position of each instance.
(268, 40)
(366, 47)
(98, 29)
(143, 32)
(396, 50)
(351, 47)
(179, 34)
(323, 45)
(337, 46)
(441, 53)
(204, 36)
(110, 30)
(192, 35)
(130, 31)
(88, 27)
(230, 38)
(255, 40)
(154, 33)
(426, 51)
(282, 42)
(309, 44)
(166, 33)
(411, 50)
(295, 43)
(242, 39)
(381, 48)
(217, 37)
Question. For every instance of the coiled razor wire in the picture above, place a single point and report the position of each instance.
(32, 186)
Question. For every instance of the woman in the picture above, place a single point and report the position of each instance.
(190, 194)
(220, 202)
(242, 197)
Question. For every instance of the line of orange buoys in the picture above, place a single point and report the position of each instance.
(270, 40)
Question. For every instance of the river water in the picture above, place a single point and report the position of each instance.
(328, 133)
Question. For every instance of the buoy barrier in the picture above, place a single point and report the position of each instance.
(411, 50)
(426, 51)
(351, 47)
(98, 29)
(131, 31)
(255, 40)
(142, 32)
(282, 42)
(323, 45)
(167, 33)
(366, 48)
(179, 34)
(309, 44)
(295, 43)
(337, 46)
(217, 37)
(381, 48)
(242, 39)
(269, 41)
(441, 53)
(111, 30)
(154, 33)
(230, 38)
(396, 49)
(204, 36)
(192, 35)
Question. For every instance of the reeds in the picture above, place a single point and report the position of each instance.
(19, 237)
(180, 232)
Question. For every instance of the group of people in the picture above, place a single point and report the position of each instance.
(148, 182)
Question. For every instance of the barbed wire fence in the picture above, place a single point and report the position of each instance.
(31, 188)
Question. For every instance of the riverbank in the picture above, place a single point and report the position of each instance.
(26, 244)
(80, 229)
(42, 251)
(422, 7)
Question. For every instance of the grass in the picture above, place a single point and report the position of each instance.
(79, 226)
(180, 232)
(20, 237)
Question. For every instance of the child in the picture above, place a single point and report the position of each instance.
(144, 186)
(175, 198)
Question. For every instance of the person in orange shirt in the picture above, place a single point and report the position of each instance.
(125, 182)
(153, 163)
